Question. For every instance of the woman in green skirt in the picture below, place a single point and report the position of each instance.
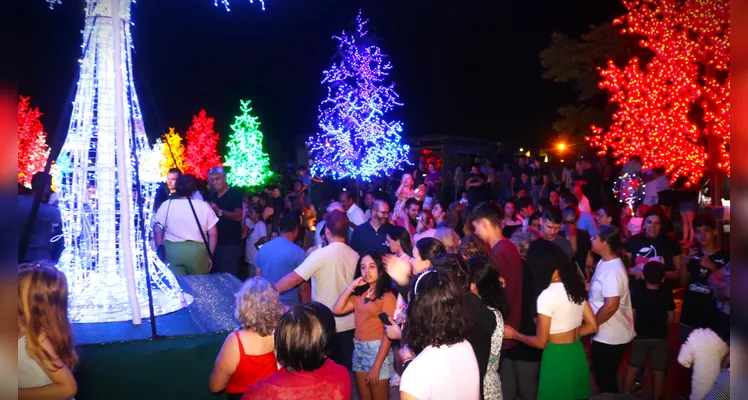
(563, 317)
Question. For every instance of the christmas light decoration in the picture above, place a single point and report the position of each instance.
(250, 165)
(629, 188)
(151, 164)
(105, 255)
(200, 152)
(32, 144)
(690, 41)
(356, 138)
(173, 152)
(429, 156)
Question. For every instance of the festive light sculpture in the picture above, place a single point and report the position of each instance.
(102, 180)
(250, 165)
(690, 41)
(172, 150)
(32, 142)
(629, 188)
(356, 138)
(200, 152)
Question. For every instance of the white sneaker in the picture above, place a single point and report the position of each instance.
(395, 380)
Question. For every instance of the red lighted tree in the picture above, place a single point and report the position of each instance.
(32, 144)
(668, 108)
(200, 153)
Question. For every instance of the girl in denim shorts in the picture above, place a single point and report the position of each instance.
(367, 296)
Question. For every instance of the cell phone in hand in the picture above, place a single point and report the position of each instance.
(385, 318)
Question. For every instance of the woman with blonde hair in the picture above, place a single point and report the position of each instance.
(405, 192)
(247, 355)
(46, 355)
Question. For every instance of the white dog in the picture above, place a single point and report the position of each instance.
(703, 351)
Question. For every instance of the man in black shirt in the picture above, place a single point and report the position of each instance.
(226, 202)
(699, 264)
(372, 235)
(540, 182)
(593, 187)
(476, 186)
(166, 190)
(517, 171)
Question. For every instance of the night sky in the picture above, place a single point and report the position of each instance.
(461, 68)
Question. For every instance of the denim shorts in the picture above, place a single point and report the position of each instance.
(364, 354)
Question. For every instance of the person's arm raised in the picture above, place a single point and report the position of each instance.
(343, 306)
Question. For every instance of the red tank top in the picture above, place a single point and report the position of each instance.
(250, 369)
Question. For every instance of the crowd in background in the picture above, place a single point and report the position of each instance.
(484, 288)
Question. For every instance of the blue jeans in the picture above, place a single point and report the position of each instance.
(364, 355)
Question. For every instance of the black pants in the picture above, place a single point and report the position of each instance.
(606, 359)
(226, 259)
(342, 349)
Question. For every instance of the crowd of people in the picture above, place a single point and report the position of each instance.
(488, 295)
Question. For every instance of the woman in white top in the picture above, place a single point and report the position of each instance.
(177, 229)
(437, 330)
(611, 302)
(563, 317)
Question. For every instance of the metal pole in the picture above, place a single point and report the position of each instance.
(123, 161)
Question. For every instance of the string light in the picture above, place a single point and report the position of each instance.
(89, 201)
(227, 5)
(250, 165)
(32, 142)
(356, 139)
(200, 152)
(654, 119)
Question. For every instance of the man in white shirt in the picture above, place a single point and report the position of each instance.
(331, 270)
(354, 212)
(653, 188)
(368, 202)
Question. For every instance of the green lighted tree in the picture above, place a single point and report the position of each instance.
(248, 162)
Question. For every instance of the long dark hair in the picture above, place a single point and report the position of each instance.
(429, 248)
(611, 235)
(546, 257)
(401, 235)
(485, 276)
(384, 281)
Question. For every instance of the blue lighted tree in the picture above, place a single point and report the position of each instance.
(356, 139)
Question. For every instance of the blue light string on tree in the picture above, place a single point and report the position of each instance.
(356, 138)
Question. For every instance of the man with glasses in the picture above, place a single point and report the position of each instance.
(372, 235)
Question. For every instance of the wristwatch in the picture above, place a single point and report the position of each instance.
(220, 213)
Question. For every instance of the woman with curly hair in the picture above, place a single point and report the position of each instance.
(563, 317)
(370, 294)
(247, 355)
(438, 324)
(486, 285)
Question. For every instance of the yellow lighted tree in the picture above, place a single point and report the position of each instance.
(173, 151)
